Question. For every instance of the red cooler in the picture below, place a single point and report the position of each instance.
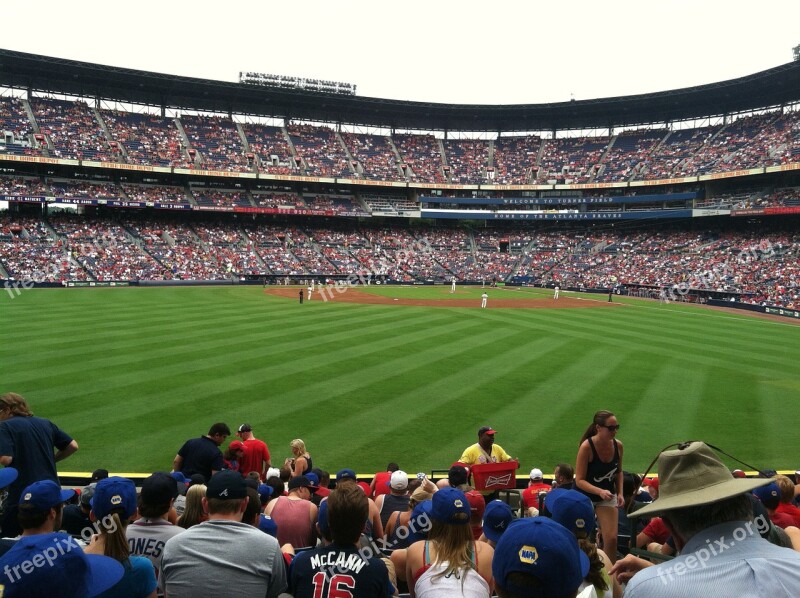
(495, 476)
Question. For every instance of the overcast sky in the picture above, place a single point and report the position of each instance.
(486, 52)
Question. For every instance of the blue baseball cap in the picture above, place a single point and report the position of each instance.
(7, 476)
(64, 569)
(450, 505)
(770, 491)
(179, 477)
(267, 525)
(114, 493)
(313, 478)
(44, 495)
(574, 510)
(420, 523)
(264, 492)
(345, 474)
(322, 518)
(181, 482)
(496, 519)
(544, 549)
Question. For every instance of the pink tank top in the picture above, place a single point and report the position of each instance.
(294, 522)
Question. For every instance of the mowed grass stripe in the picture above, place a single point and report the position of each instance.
(762, 336)
(165, 344)
(443, 410)
(768, 405)
(666, 407)
(542, 422)
(619, 335)
(678, 333)
(225, 371)
(281, 408)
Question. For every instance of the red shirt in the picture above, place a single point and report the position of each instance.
(255, 454)
(790, 510)
(656, 530)
(530, 496)
(382, 483)
(782, 520)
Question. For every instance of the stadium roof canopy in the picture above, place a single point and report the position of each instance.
(773, 87)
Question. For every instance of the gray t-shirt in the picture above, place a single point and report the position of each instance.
(215, 557)
(147, 537)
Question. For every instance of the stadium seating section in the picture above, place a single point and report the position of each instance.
(765, 265)
(130, 246)
(74, 130)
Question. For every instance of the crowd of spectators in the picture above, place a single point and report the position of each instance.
(389, 203)
(217, 144)
(422, 156)
(270, 146)
(320, 150)
(630, 150)
(213, 197)
(285, 201)
(343, 238)
(762, 266)
(514, 159)
(155, 193)
(781, 197)
(81, 189)
(770, 145)
(726, 150)
(14, 122)
(375, 155)
(149, 140)
(105, 249)
(570, 160)
(673, 157)
(467, 160)
(73, 131)
(23, 186)
(227, 517)
(230, 249)
(185, 258)
(30, 250)
(338, 204)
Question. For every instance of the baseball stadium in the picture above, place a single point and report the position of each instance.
(176, 252)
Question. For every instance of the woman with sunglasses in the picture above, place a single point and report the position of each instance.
(598, 474)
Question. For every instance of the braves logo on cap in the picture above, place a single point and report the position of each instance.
(528, 554)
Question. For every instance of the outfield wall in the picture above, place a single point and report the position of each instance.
(761, 309)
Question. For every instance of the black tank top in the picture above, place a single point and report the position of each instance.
(392, 503)
(602, 474)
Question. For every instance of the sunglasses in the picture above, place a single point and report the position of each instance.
(612, 428)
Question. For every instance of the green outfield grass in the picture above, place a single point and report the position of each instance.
(133, 372)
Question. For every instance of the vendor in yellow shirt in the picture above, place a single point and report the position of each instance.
(485, 450)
